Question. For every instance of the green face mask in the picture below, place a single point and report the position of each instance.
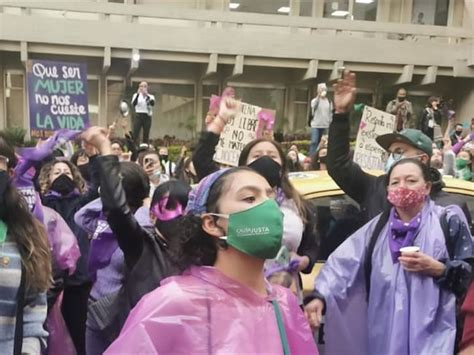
(461, 163)
(257, 231)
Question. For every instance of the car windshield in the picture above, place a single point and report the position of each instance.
(337, 218)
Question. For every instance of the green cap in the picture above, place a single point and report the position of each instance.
(413, 137)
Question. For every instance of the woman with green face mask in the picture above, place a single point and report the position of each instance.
(222, 302)
(463, 166)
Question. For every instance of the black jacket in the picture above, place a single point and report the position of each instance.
(67, 206)
(205, 165)
(367, 190)
(146, 255)
(426, 116)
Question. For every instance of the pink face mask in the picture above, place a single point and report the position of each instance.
(160, 211)
(403, 197)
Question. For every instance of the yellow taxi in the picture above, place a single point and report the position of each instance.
(339, 215)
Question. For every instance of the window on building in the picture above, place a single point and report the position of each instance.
(306, 7)
(274, 7)
(300, 110)
(362, 10)
(93, 97)
(15, 100)
(173, 113)
(116, 92)
(430, 12)
(336, 9)
(266, 98)
(365, 10)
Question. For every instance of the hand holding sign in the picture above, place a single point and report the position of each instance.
(345, 92)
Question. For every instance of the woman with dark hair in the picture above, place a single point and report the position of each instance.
(106, 260)
(64, 190)
(398, 275)
(222, 302)
(25, 268)
(144, 245)
(319, 159)
(118, 146)
(81, 160)
(430, 118)
(294, 164)
(266, 157)
(149, 160)
(185, 171)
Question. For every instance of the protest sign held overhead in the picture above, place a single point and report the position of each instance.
(368, 154)
(249, 123)
(57, 96)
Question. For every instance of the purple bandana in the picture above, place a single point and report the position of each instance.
(401, 234)
(198, 196)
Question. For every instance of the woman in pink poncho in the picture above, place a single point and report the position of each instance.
(221, 303)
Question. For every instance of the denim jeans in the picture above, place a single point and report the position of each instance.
(316, 135)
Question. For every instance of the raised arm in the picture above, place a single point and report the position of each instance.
(130, 235)
(348, 175)
(203, 154)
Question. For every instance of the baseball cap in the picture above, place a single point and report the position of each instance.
(413, 137)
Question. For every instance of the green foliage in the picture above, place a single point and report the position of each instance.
(174, 152)
(189, 125)
(15, 136)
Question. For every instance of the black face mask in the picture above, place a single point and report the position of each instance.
(458, 133)
(84, 170)
(322, 160)
(63, 185)
(164, 157)
(400, 98)
(269, 169)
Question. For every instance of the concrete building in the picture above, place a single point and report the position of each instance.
(274, 52)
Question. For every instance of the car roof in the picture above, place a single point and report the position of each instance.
(312, 184)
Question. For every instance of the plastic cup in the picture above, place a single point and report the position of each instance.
(411, 249)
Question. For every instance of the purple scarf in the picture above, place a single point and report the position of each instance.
(401, 234)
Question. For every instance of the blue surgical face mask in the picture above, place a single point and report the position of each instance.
(392, 159)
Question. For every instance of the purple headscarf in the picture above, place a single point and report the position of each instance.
(198, 195)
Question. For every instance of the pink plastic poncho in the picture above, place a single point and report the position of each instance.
(203, 311)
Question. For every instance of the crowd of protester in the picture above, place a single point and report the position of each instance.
(118, 249)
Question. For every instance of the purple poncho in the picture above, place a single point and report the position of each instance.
(408, 313)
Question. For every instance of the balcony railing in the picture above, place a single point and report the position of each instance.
(164, 15)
